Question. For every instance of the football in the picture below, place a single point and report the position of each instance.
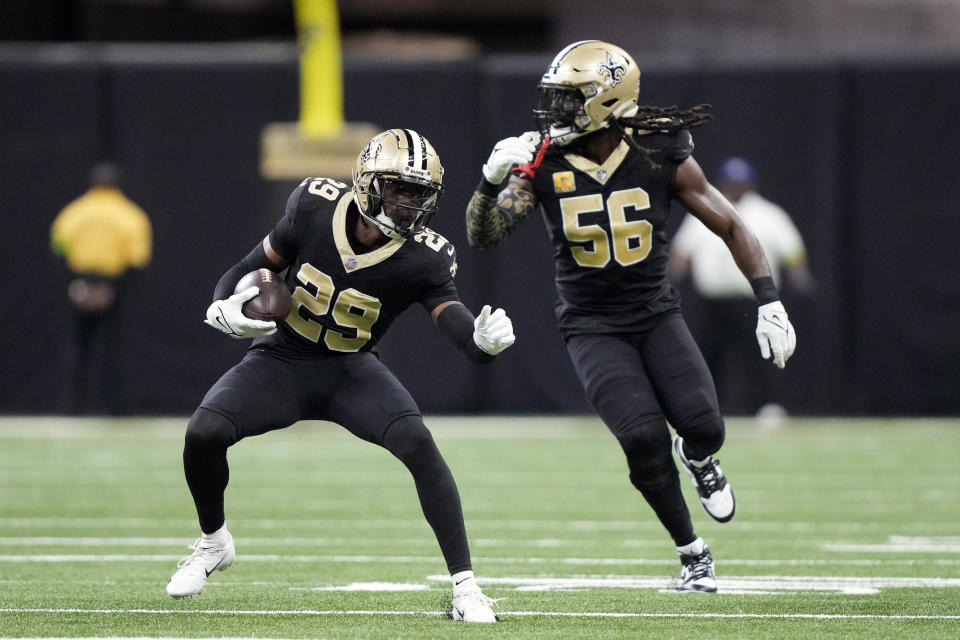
(274, 300)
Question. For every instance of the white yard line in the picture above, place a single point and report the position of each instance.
(850, 547)
(899, 544)
(631, 526)
(433, 559)
(750, 585)
(564, 614)
(181, 541)
(728, 584)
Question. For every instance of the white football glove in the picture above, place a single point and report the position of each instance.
(493, 332)
(508, 152)
(775, 333)
(227, 316)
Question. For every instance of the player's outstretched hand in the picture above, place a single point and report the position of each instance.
(775, 333)
(227, 316)
(508, 152)
(493, 332)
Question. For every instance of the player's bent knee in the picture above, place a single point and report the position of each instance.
(703, 437)
(647, 447)
(644, 440)
(409, 440)
(208, 430)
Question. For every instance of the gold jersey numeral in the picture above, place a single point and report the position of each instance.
(432, 239)
(354, 312)
(597, 252)
(326, 188)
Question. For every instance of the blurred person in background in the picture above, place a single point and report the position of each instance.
(603, 170)
(102, 236)
(358, 256)
(726, 296)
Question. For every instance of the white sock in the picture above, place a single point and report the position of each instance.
(217, 537)
(462, 579)
(699, 464)
(692, 549)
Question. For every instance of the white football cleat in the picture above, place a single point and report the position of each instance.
(712, 486)
(470, 605)
(193, 571)
(697, 574)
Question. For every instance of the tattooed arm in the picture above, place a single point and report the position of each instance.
(492, 216)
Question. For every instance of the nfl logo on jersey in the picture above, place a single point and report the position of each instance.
(350, 263)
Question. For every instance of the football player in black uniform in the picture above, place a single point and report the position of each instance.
(356, 257)
(603, 171)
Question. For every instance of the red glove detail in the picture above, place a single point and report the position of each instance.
(529, 169)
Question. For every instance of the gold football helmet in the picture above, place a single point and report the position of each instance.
(397, 182)
(587, 85)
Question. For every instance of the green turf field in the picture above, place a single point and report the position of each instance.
(844, 529)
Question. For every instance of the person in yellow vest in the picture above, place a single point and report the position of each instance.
(101, 236)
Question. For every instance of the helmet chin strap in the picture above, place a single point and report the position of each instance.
(381, 220)
(383, 223)
(386, 226)
(562, 136)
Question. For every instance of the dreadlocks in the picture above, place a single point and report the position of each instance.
(667, 119)
(650, 119)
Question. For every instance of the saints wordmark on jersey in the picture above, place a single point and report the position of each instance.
(344, 301)
(608, 227)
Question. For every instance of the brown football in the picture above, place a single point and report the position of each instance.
(273, 302)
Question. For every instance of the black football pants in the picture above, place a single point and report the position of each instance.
(265, 392)
(637, 383)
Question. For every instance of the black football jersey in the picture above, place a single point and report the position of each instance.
(344, 301)
(608, 227)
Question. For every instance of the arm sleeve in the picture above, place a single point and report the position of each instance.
(438, 285)
(285, 237)
(256, 259)
(456, 324)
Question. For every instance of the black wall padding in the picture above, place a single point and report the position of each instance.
(860, 156)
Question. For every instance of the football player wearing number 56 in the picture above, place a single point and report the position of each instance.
(356, 257)
(604, 171)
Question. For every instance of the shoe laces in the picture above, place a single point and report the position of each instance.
(709, 476)
(698, 566)
(198, 548)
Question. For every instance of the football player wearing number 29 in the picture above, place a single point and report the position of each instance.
(356, 257)
(604, 170)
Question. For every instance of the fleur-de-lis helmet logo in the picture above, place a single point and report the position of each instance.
(372, 150)
(611, 71)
